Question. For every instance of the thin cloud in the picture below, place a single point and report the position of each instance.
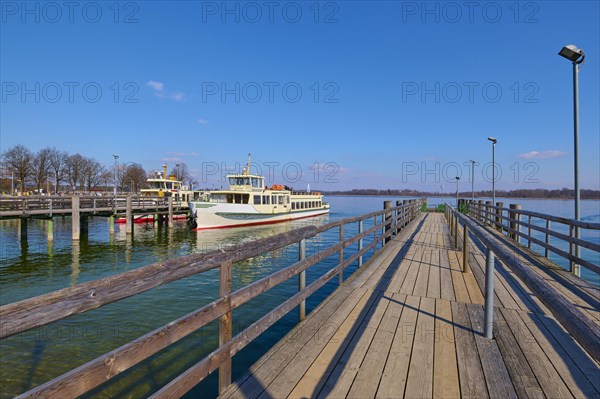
(202, 121)
(542, 154)
(157, 86)
(159, 91)
(182, 154)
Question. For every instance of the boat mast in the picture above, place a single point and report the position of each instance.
(246, 170)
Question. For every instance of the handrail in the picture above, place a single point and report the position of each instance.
(584, 330)
(34, 312)
(482, 211)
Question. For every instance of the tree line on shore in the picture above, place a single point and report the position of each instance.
(563, 193)
(51, 170)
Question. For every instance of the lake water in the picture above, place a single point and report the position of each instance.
(36, 267)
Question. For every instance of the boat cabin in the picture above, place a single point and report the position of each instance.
(246, 182)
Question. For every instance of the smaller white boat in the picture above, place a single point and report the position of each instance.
(164, 185)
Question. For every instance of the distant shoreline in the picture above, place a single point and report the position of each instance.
(453, 197)
(562, 194)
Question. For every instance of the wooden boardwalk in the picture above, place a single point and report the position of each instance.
(410, 324)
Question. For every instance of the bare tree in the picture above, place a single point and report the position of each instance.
(41, 168)
(93, 174)
(134, 176)
(74, 171)
(19, 160)
(58, 166)
(182, 173)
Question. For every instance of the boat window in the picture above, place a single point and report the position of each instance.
(280, 200)
(245, 198)
(232, 181)
(257, 200)
(246, 181)
(255, 182)
(293, 205)
(287, 200)
(274, 199)
(266, 200)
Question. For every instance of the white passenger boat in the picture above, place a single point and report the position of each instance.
(248, 202)
(164, 186)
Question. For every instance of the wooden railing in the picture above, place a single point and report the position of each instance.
(510, 220)
(35, 312)
(585, 330)
(48, 205)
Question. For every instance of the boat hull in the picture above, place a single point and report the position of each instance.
(219, 217)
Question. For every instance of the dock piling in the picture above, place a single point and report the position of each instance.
(170, 211)
(388, 216)
(129, 216)
(225, 324)
(514, 219)
(23, 228)
(75, 219)
(498, 221)
(466, 267)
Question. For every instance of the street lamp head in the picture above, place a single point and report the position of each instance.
(115, 156)
(457, 178)
(470, 160)
(572, 53)
(493, 140)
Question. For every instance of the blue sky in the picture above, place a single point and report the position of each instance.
(394, 94)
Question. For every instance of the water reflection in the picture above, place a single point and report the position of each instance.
(75, 264)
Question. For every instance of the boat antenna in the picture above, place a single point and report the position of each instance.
(308, 187)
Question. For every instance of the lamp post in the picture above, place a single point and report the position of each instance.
(494, 141)
(490, 260)
(116, 166)
(457, 180)
(472, 180)
(576, 56)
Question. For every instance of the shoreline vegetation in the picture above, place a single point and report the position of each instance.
(564, 193)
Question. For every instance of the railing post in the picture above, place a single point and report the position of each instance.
(451, 223)
(360, 243)
(129, 216)
(489, 294)
(455, 231)
(546, 251)
(480, 210)
(489, 218)
(514, 225)
(466, 267)
(386, 218)
(529, 231)
(302, 279)
(75, 219)
(575, 269)
(399, 216)
(498, 221)
(374, 235)
(405, 205)
(225, 324)
(341, 274)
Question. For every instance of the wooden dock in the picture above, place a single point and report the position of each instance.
(411, 325)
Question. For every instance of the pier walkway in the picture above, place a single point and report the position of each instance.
(410, 324)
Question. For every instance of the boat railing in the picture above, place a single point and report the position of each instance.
(36, 312)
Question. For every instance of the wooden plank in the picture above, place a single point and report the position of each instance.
(472, 379)
(367, 380)
(315, 377)
(446, 383)
(548, 378)
(262, 373)
(446, 278)
(579, 385)
(340, 380)
(475, 293)
(420, 288)
(395, 372)
(420, 372)
(522, 377)
(496, 375)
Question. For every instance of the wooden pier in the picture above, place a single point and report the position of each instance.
(411, 322)
(411, 325)
(79, 208)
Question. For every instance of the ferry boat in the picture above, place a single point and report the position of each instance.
(248, 202)
(164, 185)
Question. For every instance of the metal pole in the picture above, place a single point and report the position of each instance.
(457, 208)
(360, 243)
(489, 294)
(576, 269)
(493, 172)
(472, 181)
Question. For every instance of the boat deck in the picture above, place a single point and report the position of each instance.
(411, 325)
